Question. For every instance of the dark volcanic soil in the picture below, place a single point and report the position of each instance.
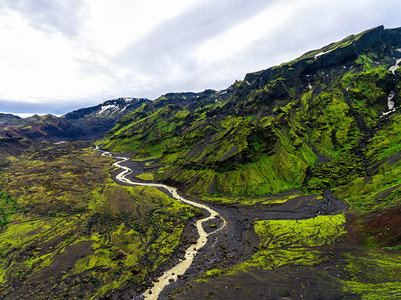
(286, 282)
(237, 242)
(383, 226)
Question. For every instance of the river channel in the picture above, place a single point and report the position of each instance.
(179, 269)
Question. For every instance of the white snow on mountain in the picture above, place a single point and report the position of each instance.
(105, 107)
(320, 54)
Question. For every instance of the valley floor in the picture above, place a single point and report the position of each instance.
(73, 233)
(289, 246)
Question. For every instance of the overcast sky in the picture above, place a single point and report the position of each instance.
(57, 56)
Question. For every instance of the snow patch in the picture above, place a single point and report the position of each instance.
(310, 86)
(106, 107)
(320, 54)
(128, 99)
(247, 83)
(399, 50)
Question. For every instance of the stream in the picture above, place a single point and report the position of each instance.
(172, 274)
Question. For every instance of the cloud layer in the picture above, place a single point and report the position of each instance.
(61, 55)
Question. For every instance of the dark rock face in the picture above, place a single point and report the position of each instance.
(8, 119)
(118, 104)
(393, 36)
(286, 118)
(95, 121)
(375, 40)
(282, 120)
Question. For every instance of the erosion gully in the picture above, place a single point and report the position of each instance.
(234, 239)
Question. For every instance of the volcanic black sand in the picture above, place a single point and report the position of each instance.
(237, 242)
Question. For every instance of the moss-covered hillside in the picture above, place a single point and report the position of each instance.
(277, 155)
(67, 231)
(310, 123)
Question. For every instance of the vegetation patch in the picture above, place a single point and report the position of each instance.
(71, 230)
(146, 176)
(290, 242)
(374, 275)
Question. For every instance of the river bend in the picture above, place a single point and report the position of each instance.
(179, 269)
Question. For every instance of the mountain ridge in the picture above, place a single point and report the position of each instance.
(269, 120)
(302, 162)
(82, 124)
(262, 121)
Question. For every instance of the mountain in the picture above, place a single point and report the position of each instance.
(299, 166)
(155, 126)
(97, 120)
(308, 123)
(82, 124)
(6, 119)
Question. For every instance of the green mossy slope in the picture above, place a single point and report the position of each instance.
(379, 188)
(67, 228)
(305, 259)
(304, 124)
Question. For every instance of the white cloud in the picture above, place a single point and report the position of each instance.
(112, 48)
(41, 65)
(111, 26)
(241, 36)
(35, 64)
(23, 115)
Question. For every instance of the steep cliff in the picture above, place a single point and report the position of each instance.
(303, 124)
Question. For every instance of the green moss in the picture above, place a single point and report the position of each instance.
(374, 276)
(8, 207)
(181, 114)
(387, 141)
(246, 201)
(309, 232)
(115, 229)
(293, 241)
(210, 274)
(146, 176)
(381, 190)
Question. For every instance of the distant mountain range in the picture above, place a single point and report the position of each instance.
(82, 124)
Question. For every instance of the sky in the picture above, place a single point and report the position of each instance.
(57, 56)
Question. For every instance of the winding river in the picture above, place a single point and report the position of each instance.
(171, 275)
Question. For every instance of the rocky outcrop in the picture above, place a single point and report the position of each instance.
(376, 40)
(267, 131)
